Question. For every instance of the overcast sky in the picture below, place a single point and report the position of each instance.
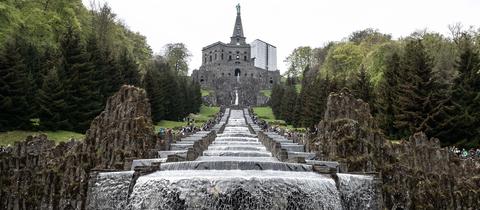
(285, 24)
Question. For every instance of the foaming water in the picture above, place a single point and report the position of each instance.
(235, 172)
(238, 164)
(357, 191)
(110, 190)
(234, 189)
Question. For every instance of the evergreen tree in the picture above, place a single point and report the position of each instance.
(156, 99)
(302, 98)
(316, 100)
(106, 73)
(276, 100)
(14, 84)
(415, 89)
(462, 123)
(288, 104)
(130, 74)
(388, 95)
(362, 87)
(80, 82)
(33, 64)
(173, 96)
(51, 102)
(196, 97)
(179, 99)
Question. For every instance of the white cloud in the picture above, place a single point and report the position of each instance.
(285, 24)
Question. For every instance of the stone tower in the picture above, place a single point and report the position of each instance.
(237, 36)
(228, 68)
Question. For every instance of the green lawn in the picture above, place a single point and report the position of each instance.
(203, 116)
(266, 113)
(205, 92)
(10, 137)
(267, 93)
(298, 87)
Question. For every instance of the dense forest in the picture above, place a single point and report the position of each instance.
(60, 61)
(424, 82)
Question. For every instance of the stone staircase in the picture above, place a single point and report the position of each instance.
(286, 150)
(187, 148)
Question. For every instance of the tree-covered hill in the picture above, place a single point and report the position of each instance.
(59, 62)
(423, 82)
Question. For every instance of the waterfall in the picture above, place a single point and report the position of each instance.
(110, 191)
(235, 172)
(236, 97)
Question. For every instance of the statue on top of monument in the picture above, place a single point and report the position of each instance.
(238, 8)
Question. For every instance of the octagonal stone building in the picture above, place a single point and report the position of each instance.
(229, 67)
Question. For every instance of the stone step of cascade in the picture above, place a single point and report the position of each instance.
(180, 146)
(294, 147)
(236, 143)
(306, 155)
(147, 162)
(258, 147)
(298, 150)
(236, 135)
(165, 154)
(330, 164)
(237, 153)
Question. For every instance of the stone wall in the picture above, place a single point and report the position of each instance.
(37, 174)
(416, 173)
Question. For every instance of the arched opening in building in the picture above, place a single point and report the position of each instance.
(271, 81)
(237, 72)
(201, 80)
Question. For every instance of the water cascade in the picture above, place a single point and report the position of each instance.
(235, 172)
(236, 97)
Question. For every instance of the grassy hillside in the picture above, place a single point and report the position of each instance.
(11, 137)
(204, 115)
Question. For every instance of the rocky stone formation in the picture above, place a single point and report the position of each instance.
(124, 130)
(348, 135)
(416, 173)
(37, 174)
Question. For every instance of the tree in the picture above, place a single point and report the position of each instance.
(276, 99)
(154, 85)
(343, 61)
(288, 104)
(80, 82)
(461, 125)
(362, 87)
(177, 56)
(106, 73)
(388, 95)
(369, 35)
(51, 102)
(298, 60)
(129, 71)
(316, 101)
(15, 111)
(415, 89)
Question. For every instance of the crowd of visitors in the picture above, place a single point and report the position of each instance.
(171, 135)
(465, 153)
(298, 136)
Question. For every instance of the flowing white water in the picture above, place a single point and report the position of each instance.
(236, 97)
(235, 172)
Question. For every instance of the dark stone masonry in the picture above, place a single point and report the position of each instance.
(37, 174)
(416, 173)
(230, 66)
